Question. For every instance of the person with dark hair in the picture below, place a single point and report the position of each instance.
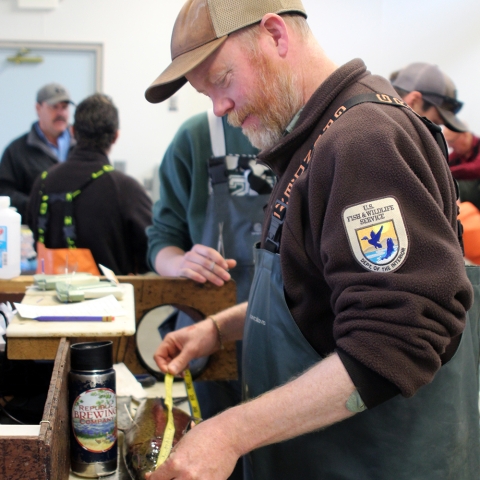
(430, 93)
(85, 203)
(47, 143)
(96, 123)
(359, 359)
(464, 162)
(464, 157)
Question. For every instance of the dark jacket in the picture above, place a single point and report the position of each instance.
(466, 169)
(111, 213)
(22, 161)
(390, 328)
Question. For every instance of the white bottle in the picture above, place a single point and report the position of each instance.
(10, 240)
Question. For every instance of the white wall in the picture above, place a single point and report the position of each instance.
(136, 38)
(389, 34)
(386, 34)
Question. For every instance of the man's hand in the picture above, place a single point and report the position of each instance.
(199, 340)
(179, 347)
(315, 399)
(201, 264)
(205, 452)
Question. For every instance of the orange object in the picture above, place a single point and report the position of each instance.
(469, 216)
(59, 260)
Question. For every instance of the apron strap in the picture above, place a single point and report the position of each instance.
(217, 135)
(66, 198)
(216, 164)
(217, 167)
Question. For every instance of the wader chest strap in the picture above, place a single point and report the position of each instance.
(66, 198)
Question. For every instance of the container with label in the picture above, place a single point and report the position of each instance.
(10, 240)
(93, 410)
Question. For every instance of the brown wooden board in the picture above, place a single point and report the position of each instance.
(198, 300)
(150, 291)
(54, 432)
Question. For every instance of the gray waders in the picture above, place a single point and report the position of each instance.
(432, 436)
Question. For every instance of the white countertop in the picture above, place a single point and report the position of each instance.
(122, 325)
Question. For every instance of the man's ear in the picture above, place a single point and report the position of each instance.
(415, 101)
(276, 28)
(117, 133)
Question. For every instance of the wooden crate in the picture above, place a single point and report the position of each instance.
(45, 456)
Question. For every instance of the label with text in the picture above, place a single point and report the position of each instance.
(377, 234)
(94, 419)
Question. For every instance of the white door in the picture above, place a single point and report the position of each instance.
(76, 66)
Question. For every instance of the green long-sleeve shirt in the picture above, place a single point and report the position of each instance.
(179, 215)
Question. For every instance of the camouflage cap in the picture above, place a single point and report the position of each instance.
(201, 28)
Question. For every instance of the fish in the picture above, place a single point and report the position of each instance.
(143, 438)
(390, 249)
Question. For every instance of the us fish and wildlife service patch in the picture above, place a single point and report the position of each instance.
(377, 234)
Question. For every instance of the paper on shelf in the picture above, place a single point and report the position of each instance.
(100, 307)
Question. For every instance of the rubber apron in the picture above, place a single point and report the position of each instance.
(433, 435)
(234, 220)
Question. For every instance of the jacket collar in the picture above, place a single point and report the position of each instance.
(85, 155)
(34, 140)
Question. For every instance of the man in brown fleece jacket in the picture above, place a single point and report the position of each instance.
(359, 300)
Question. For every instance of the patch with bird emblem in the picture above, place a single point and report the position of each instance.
(377, 234)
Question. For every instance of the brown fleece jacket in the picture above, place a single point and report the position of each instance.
(390, 329)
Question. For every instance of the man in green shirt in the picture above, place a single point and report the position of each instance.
(205, 224)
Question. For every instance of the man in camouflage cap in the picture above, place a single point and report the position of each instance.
(350, 316)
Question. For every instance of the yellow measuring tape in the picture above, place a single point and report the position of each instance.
(192, 396)
(169, 431)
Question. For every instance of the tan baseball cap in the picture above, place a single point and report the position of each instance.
(201, 27)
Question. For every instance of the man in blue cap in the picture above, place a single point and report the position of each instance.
(356, 353)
